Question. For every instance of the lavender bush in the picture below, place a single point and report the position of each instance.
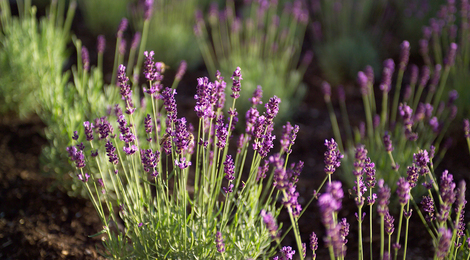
(32, 55)
(262, 42)
(98, 21)
(170, 27)
(347, 36)
(418, 122)
(450, 26)
(217, 210)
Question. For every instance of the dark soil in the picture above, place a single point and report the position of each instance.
(36, 222)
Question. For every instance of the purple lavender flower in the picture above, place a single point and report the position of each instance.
(281, 180)
(435, 78)
(111, 153)
(150, 160)
(263, 147)
(182, 163)
(421, 158)
(287, 132)
(434, 123)
(262, 170)
(287, 253)
(272, 108)
(135, 41)
(148, 124)
(388, 143)
(450, 59)
(389, 227)
(88, 130)
(169, 101)
(404, 55)
(221, 132)
(460, 202)
(383, 198)
(363, 83)
(466, 128)
(229, 188)
(104, 127)
(122, 47)
(122, 27)
(257, 95)
(270, 223)
(359, 162)
(369, 171)
(313, 243)
(220, 86)
(75, 135)
(101, 184)
(85, 59)
(389, 68)
(326, 89)
(80, 146)
(129, 149)
(126, 91)
(151, 72)
(403, 191)
(370, 74)
(424, 76)
(101, 44)
(236, 77)
(332, 156)
(290, 201)
(251, 117)
(206, 95)
(219, 241)
(148, 9)
(344, 231)
(448, 195)
(126, 134)
(428, 206)
(181, 70)
(329, 203)
(443, 245)
(84, 177)
(229, 168)
(412, 174)
(76, 156)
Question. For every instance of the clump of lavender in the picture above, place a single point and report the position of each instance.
(155, 146)
(400, 127)
(263, 42)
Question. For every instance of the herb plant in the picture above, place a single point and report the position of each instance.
(418, 122)
(262, 42)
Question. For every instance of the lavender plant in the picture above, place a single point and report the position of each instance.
(85, 99)
(170, 27)
(451, 25)
(418, 122)
(446, 230)
(32, 55)
(176, 206)
(99, 22)
(263, 43)
(346, 35)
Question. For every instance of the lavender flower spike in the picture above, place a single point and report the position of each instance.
(270, 223)
(101, 44)
(403, 191)
(332, 156)
(85, 59)
(443, 245)
(219, 241)
(236, 77)
(466, 128)
(404, 55)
